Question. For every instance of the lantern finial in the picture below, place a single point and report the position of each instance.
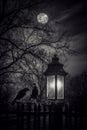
(55, 59)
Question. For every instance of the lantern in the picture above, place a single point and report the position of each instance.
(55, 79)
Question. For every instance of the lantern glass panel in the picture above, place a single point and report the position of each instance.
(60, 87)
(51, 87)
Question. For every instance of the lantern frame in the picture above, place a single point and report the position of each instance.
(55, 68)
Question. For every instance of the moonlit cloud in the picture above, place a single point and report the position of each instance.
(74, 20)
(76, 64)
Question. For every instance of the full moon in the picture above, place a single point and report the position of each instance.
(42, 18)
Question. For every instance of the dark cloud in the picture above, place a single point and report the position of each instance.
(74, 17)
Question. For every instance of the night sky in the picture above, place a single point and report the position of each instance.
(72, 14)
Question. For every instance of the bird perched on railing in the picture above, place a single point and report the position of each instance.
(20, 95)
(34, 94)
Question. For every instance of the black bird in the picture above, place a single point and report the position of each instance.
(34, 94)
(20, 95)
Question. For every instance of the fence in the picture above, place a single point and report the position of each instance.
(44, 117)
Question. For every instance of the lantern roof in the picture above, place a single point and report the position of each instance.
(55, 67)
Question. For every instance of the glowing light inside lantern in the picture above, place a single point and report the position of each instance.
(51, 82)
(59, 84)
(51, 87)
(60, 87)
